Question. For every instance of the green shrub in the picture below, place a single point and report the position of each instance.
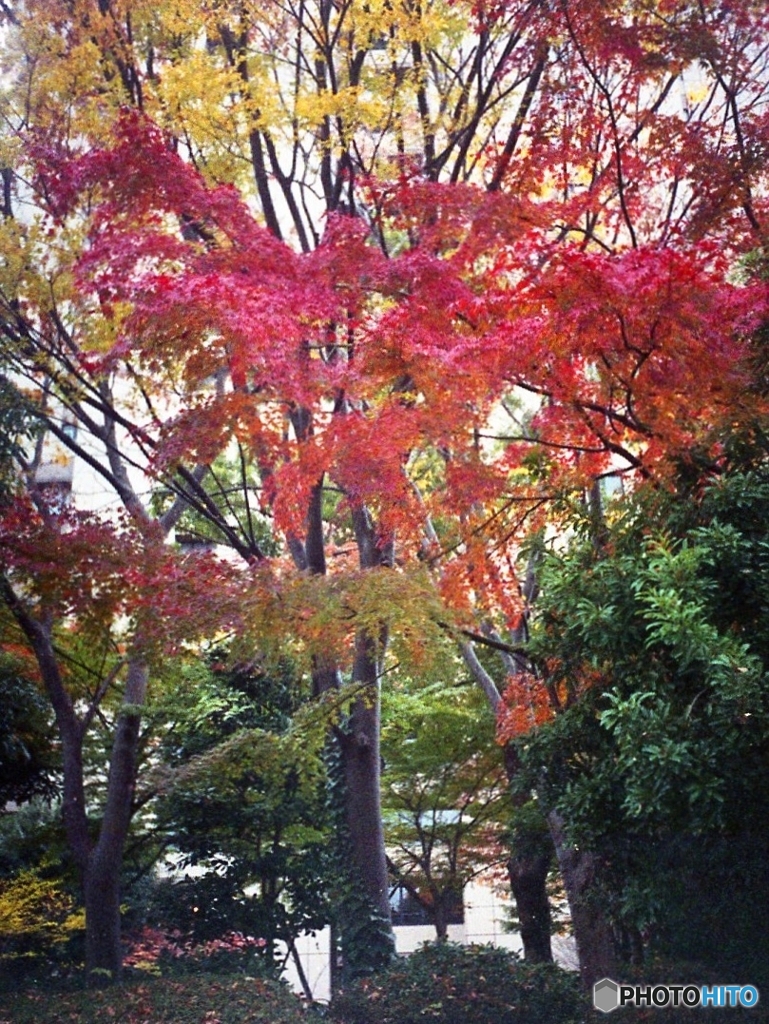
(449, 984)
(191, 1000)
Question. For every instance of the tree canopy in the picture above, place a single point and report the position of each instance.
(376, 291)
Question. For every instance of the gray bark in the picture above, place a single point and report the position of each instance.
(592, 931)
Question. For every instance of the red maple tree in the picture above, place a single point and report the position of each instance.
(584, 258)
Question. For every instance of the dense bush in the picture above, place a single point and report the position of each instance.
(158, 952)
(192, 1000)
(448, 984)
(661, 767)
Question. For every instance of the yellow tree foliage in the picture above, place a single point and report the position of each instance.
(36, 910)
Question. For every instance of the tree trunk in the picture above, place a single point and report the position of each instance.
(528, 882)
(367, 943)
(528, 867)
(363, 818)
(365, 926)
(362, 774)
(103, 950)
(101, 882)
(592, 931)
(440, 921)
(98, 865)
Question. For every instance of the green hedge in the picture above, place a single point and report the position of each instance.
(449, 984)
(189, 1000)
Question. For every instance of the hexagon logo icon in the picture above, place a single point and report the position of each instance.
(606, 995)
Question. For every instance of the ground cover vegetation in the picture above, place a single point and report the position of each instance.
(354, 312)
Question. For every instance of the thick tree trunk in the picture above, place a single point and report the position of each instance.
(528, 883)
(365, 926)
(528, 868)
(364, 820)
(440, 921)
(368, 943)
(101, 883)
(592, 931)
(103, 950)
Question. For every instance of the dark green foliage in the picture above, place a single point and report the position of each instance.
(246, 803)
(29, 761)
(189, 1000)
(657, 641)
(527, 834)
(449, 984)
(32, 837)
(714, 914)
(366, 937)
(205, 906)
